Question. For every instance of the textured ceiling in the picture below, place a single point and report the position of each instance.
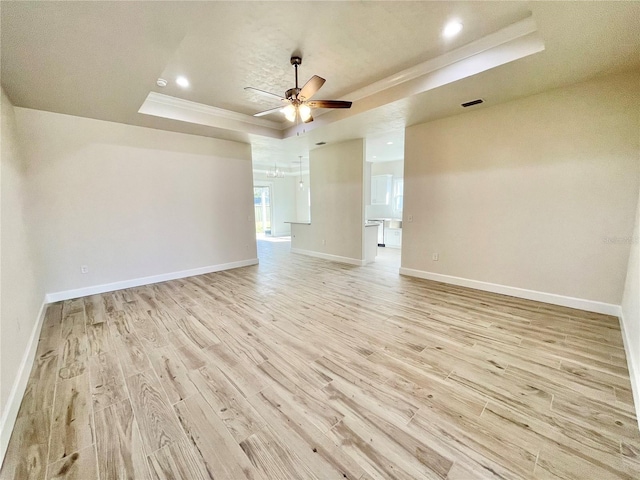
(101, 59)
(351, 44)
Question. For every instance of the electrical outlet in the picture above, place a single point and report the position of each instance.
(323, 242)
(435, 257)
(409, 218)
(84, 269)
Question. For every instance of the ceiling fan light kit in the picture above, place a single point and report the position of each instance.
(298, 99)
(289, 112)
(305, 112)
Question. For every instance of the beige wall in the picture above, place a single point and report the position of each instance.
(21, 286)
(337, 216)
(631, 311)
(132, 202)
(528, 194)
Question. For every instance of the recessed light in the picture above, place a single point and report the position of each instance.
(452, 29)
(389, 143)
(161, 82)
(375, 156)
(182, 81)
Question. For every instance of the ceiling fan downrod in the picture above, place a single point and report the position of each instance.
(292, 93)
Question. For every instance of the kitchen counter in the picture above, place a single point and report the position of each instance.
(388, 222)
(389, 231)
(370, 242)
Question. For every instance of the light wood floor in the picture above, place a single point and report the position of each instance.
(301, 368)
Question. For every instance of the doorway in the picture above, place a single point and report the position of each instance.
(384, 193)
(262, 206)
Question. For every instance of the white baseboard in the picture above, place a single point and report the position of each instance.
(571, 302)
(328, 256)
(634, 370)
(10, 413)
(137, 282)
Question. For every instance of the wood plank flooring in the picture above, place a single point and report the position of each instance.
(305, 369)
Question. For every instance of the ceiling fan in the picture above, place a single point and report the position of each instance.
(298, 100)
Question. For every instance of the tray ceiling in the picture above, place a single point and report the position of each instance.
(102, 59)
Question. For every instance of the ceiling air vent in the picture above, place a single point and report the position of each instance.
(321, 143)
(472, 102)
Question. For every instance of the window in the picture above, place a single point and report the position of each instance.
(262, 205)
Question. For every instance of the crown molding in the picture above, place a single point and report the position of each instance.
(166, 106)
(505, 35)
(509, 44)
(262, 169)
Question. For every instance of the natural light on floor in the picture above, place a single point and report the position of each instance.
(262, 236)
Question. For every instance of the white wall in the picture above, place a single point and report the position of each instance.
(337, 202)
(395, 168)
(132, 202)
(631, 311)
(303, 207)
(21, 285)
(529, 193)
(283, 201)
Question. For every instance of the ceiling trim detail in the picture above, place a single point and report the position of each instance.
(505, 35)
(166, 106)
(511, 43)
(263, 169)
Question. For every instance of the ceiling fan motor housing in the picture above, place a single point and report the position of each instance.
(298, 98)
(292, 94)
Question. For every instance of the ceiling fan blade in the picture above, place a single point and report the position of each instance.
(267, 112)
(263, 92)
(311, 87)
(329, 104)
(308, 120)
